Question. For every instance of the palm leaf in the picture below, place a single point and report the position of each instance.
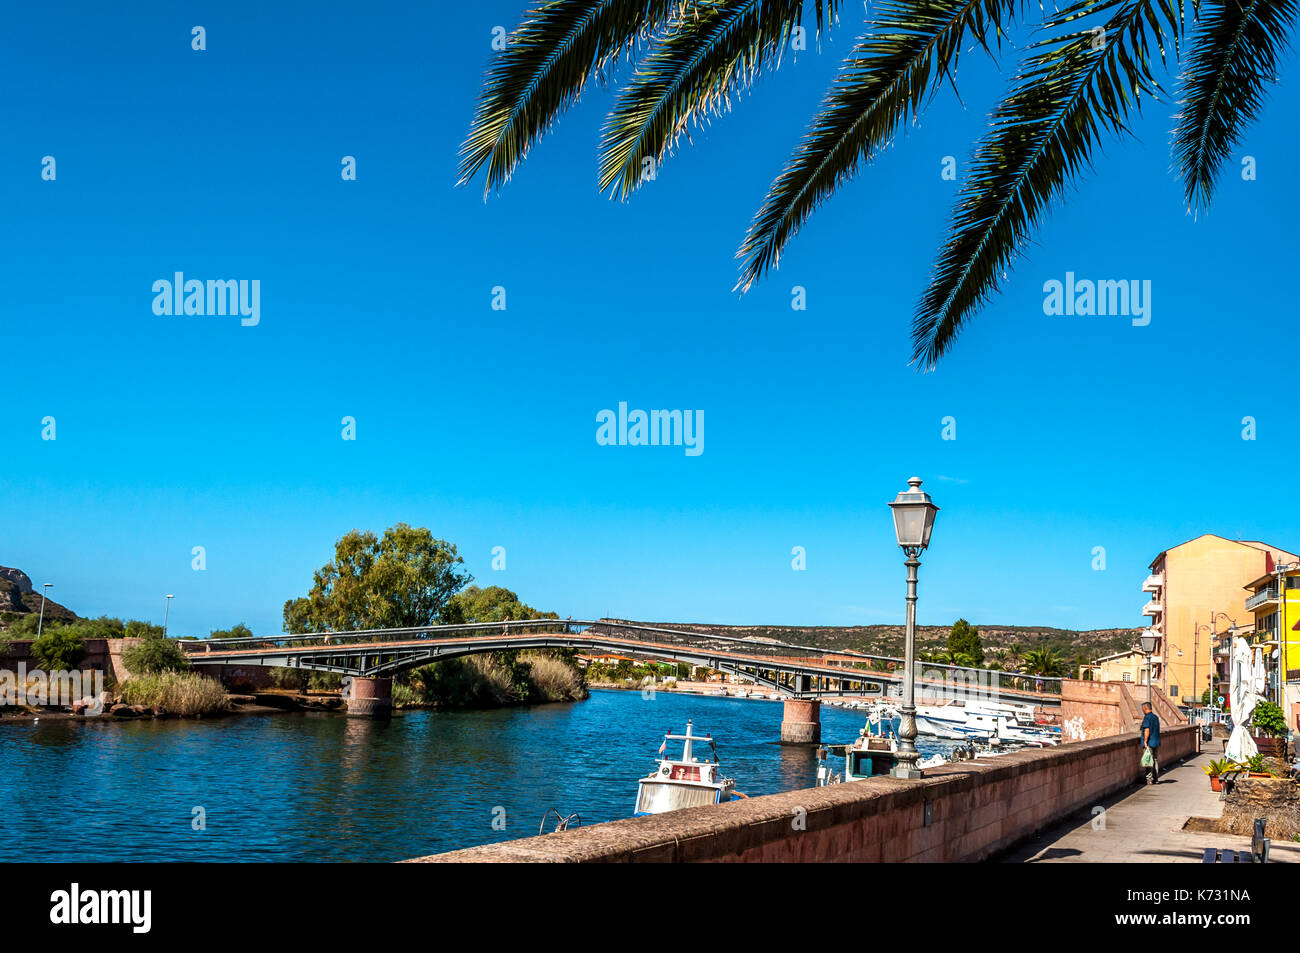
(1074, 87)
(711, 50)
(547, 61)
(1233, 55)
(884, 81)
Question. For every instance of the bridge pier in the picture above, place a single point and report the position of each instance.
(801, 722)
(370, 697)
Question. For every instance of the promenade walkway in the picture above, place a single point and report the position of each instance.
(1145, 825)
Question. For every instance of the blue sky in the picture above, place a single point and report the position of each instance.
(175, 432)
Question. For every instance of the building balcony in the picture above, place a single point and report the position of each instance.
(1153, 608)
(1154, 582)
(1264, 597)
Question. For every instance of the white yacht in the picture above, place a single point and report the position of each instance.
(683, 782)
(984, 720)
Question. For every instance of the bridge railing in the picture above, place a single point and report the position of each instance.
(858, 663)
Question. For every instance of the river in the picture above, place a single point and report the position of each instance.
(321, 787)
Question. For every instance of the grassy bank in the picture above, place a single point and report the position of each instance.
(175, 693)
(493, 680)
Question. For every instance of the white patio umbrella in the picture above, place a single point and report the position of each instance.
(1241, 688)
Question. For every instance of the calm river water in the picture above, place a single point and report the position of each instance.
(327, 788)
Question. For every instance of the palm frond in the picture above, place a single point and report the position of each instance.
(886, 80)
(711, 50)
(547, 61)
(1074, 87)
(1234, 53)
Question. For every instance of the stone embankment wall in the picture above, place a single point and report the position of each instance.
(965, 811)
(1100, 709)
(104, 655)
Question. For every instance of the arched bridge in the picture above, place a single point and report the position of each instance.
(796, 671)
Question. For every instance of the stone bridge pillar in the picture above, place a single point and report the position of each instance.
(801, 722)
(369, 697)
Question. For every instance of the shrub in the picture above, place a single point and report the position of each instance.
(1268, 719)
(153, 655)
(554, 679)
(59, 649)
(178, 693)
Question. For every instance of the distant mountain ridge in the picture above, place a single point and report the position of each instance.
(888, 639)
(18, 597)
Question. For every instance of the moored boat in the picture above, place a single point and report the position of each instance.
(683, 782)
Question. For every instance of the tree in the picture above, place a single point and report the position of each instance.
(401, 579)
(493, 604)
(1082, 82)
(964, 639)
(1043, 662)
(236, 631)
(59, 649)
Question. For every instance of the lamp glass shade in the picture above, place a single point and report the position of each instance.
(1148, 641)
(913, 516)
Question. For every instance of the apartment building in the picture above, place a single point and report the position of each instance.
(1196, 592)
(1274, 604)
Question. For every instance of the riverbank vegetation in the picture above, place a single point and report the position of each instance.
(187, 694)
(409, 578)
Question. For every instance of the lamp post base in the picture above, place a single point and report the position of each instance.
(906, 772)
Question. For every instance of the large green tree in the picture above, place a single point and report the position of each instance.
(964, 640)
(493, 604)
(1079, 82)
(403, 578)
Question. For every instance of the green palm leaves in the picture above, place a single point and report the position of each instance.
(1077, 84)
(885, 81)
(1234, 52)
(1074, 86)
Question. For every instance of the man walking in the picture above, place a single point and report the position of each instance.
(1151, 742)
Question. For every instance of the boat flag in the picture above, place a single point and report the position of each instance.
(663, 747)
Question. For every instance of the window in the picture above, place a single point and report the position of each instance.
(1173, 691)
(1127, 677)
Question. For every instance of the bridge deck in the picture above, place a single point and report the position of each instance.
(408, 653)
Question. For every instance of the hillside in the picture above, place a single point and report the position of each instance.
(888, 639)
(19, 598)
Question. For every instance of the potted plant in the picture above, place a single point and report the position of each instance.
(1269, 724)
(1256, 767)
(1214, 769)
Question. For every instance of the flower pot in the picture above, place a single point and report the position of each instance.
(1215, 783)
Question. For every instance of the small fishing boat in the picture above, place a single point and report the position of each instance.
(683, 782)
(872, 754)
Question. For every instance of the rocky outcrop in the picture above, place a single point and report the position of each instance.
(18, 597)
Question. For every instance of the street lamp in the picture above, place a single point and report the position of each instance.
(1148, 640)
(913, 521)
(45, 586)
(167, 605)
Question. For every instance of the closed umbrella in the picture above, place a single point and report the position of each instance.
(1241, 685)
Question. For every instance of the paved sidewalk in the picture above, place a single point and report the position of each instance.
(1145, 825)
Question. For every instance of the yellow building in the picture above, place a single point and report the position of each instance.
(1196, 590)
(1275, 605)
(1130, 666)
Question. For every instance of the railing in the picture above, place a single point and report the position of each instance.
(1267, 594)
(856, 664)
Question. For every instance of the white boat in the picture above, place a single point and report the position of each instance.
(872, 754)
(683, 782)
(984, 720)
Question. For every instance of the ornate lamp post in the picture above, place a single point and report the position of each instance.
(913, 521)
(1148, 640)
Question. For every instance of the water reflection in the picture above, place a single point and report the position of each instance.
(328, 787)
